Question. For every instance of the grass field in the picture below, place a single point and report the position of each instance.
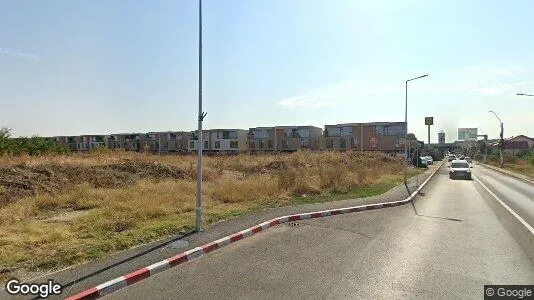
(514, 164)
(57, 211)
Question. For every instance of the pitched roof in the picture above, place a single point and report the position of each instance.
(521, 135)
(516, 145)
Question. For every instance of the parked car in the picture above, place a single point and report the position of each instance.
(451, 157)
(429, 159)
(424, 162)
(469, 159)
(459, 169)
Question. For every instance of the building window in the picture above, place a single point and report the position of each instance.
(206, 145)
(285, 144)
(270, 144)
(342, 143)
(251, 145)
(176, 145)
(191, 144)
(305, 143)
(330, 143)
(261, 144)
(217, 144)
(166, 145)
(226, 135)
(353, 142)
(233, 144)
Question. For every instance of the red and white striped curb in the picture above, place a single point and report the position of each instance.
(140, 274)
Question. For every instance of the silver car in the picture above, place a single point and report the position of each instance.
(429, 159)
(460, 169)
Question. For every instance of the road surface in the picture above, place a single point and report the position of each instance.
(447, 246)
(516, 193)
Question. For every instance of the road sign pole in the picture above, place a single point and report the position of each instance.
(428, 137)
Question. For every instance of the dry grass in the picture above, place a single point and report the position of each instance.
(33, 236)
(514, 164)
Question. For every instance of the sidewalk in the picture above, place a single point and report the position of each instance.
(90, 274)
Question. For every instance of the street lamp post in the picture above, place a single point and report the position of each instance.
(502, 139)
(406, 132)
(201, 116)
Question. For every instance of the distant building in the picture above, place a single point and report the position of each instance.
(228, 140)
(374, 136)
(441, 137)
(284, 138)
(89, 142)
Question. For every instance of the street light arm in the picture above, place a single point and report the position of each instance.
(522, 94)
(491, 111)
(417, 77)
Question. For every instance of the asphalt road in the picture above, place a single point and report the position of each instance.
(516, 193)
(446, 246)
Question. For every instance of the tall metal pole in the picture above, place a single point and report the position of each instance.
(428, 146)
(406, 138)
(201, 116)
(501, 146)
(406, 132)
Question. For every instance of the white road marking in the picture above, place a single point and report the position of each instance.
(518, 217)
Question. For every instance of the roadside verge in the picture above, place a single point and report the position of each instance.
(510, 173)
(142, 273)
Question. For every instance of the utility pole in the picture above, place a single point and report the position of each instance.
(201, 116)
(501, 144)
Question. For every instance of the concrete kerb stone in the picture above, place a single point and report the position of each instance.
(140, 274)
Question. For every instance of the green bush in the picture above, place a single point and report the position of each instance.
(34, 145)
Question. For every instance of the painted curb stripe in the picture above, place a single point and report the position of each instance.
(137, 275)
(177, 259)
(143, 273)
(91, 293)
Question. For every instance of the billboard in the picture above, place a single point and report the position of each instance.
(429, 120)
(467, 134)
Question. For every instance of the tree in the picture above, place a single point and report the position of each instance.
(5, 141)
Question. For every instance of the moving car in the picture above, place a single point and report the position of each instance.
(429, 159)
(469, 159)
(451, 157)
(459, 169)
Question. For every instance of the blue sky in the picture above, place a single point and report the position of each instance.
(100, 67)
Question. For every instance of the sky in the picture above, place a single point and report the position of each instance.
(102, 67)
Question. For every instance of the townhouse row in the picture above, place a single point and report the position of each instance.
(375, 136)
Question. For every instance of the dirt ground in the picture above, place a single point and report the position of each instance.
(23, 181)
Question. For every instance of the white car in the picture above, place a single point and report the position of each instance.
(460, 169)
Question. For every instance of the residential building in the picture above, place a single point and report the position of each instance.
(292, 138)
(375, 136)
(116, 141)
(516, 144)
(193, 140)
(174, 141)
(261, 139)
(132, 141)
(227, 140)
(89, 142)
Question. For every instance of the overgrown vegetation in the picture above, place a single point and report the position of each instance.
(81, 207)
(27, 145)
(522, 163)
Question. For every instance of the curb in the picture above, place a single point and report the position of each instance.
(510, 173)
(140, 274)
